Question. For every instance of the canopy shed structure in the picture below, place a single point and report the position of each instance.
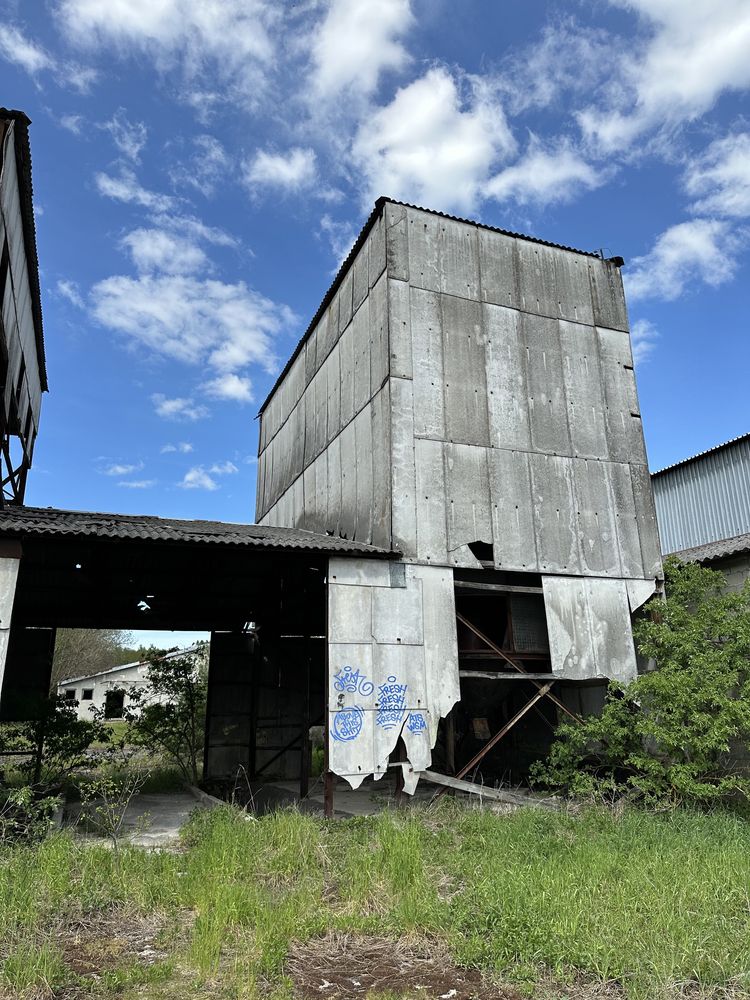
(466, 396)
(23, 375)
(260, 591)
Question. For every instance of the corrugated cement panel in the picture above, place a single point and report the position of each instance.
(596, 518)
(544, 378)
(363, 456)
(429, 377)
(397, 615)
(361, 335)
(333, 489)
(497, 268)
(308, 401)
(320, 388)
(311, 357)
(466, 417)
(298, 502)
(378, 309)
(607, 295)
(440, 642)
(359, 572)
(404, 486)
(507, 395)
(535, 267)
(588, 622)
(397, 242)
(467, 494)
(583, 390)
(424, 250)
(512, 511)
(345, 301)
(380, 410)
(399, 329)
(459, 259)
(431, 514)
(555, 520)
(321, 491)
(311, 510)
(361, 277)
(348, 520)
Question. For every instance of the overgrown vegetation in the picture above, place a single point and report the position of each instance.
(80, 652)
(656, 904)
(681, 733)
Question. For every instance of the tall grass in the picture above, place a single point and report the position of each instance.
(650, 901)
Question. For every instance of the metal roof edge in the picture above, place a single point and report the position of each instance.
(701, 454)
(23, 167)
(364, 233)
(123, 666)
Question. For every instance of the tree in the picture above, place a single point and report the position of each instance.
(167, 716)
(80, 652)
(677, 733)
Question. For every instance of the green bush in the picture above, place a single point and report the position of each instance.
(678, 733)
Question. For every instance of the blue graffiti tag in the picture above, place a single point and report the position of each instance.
(347, 723)
(416, 723)
(351, 680)
(391, 703)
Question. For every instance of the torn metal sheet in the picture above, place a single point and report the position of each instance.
(639, 591)
(8, 580)
(588, 621)
(401, 682)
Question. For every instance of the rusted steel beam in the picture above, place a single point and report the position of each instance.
(516, 666)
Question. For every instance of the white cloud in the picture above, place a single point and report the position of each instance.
(223, 468)
(643, 337)
(138, 484)
(178, 408)
(694, 52)
(290, 171)
(69, 290)
(183, 447)
(205, 168)
(700, 250)
(77, 77)
(198, 479)
(199, 322)
(128, 189)
(227, 40)
(340, 235)
(357, 41)
(543, 175)
(229, 386)
(121, 469)
(157, 250)
(16, 48)
(129, 137)
(73, 123)
(720, 178)
(431, 145)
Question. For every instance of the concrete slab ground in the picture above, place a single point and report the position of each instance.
(151, 820)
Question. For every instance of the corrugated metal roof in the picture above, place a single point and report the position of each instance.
(28, 522)
(704, 499)
(23, 165)
(187, 651)
(364, 232)
(716, 550)
(701, 454)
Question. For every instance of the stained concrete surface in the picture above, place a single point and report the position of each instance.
(151, 820)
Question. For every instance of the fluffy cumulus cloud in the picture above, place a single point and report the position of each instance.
(700, 250)
(290, 171)
(178, 408)
(198, 479)
(356, 42)
(121, 468)
(223, 468)
(435, 143)
(691, 54)
(720, 178)
(155, 249)
(137, 484)
(207, 164)
(70, 292)
(544, 175)
(229, 386)
(182, 447)
(126, 187)
(226, 41)
(17, 48)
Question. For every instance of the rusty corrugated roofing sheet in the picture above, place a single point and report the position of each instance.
(349, 260)
(34, 522)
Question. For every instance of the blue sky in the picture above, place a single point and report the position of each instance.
(200, 169)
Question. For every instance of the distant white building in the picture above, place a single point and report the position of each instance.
(112, 690)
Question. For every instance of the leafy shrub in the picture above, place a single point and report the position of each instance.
(25, 815)
(677, 733)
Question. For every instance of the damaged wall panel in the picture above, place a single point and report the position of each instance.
(393, 664)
